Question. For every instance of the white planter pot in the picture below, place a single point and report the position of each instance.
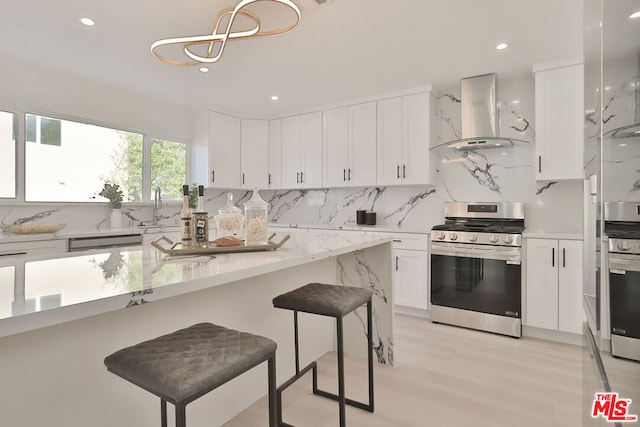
(116, 218)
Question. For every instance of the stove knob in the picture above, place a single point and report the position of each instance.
(493, 238)
(441, 235)
(453, 236)
(473, 237)
(507, 240)
(623, 245)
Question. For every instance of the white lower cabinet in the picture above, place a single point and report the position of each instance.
(554, 284)
(410, 263)
(39, 247)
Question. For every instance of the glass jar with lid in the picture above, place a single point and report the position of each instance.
(229, 220)
(255, 217)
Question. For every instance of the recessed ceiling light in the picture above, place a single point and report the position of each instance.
(87, 21)
(275, 97)
(204, 69)
(607, 87)
(502, 46)
(515, 101)
(635, 15)
(622, 145)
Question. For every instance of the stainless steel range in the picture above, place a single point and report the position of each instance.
(622, 226)
(476, 276)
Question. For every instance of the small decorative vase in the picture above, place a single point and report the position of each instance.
(116, 218)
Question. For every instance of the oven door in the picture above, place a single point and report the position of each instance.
(480, 278)
(624, 295)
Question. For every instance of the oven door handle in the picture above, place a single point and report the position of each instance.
(491, 252)
(622, 262)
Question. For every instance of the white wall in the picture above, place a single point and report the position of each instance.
(25, 87)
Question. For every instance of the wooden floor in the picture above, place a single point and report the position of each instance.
(446, 376)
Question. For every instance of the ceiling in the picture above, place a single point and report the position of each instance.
(342, 50)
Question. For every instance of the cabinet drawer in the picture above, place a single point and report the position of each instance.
(34, 247)
(418, 242)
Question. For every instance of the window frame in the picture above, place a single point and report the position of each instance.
(20, 131)
(16, 149)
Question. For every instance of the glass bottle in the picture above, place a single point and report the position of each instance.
(229, 220)
(201, 222)
(185, 219)
(256, 219)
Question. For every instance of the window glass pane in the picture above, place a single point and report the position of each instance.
(168, 168)
(70, 161)
(31, 128)
(8, 157)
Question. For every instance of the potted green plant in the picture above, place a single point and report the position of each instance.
(112, 191)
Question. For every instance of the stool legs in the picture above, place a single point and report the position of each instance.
(163, 413)
(273, 422)
(340, 397)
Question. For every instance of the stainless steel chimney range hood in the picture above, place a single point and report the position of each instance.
(480, 116)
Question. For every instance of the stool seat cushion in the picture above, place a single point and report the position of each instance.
(323, 299)
(184, 365)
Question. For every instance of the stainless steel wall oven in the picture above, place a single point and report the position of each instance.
(476, 276)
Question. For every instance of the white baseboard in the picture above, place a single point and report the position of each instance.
(557, 336)
(410, 311)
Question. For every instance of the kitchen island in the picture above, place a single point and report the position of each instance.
(61, 315)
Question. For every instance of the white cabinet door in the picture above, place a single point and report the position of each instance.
(349, 147)
(302, 151)
(254, 153)
(570, 293)
(336, 148)
(554, 284)
(311, 173)
(542, 283)
(416, 138)
(291, 151)
(411, 278)
(389, 147)
(559, 121)
(224, 151)
(274, 178)
(405, 133)
(361, 171)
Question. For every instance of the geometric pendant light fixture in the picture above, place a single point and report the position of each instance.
(208, 48)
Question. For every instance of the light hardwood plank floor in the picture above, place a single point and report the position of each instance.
(446, 376)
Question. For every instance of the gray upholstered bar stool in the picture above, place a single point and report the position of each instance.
(334, 301)
(184, 365)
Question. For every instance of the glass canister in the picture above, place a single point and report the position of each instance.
(256, 218)
(229, 220)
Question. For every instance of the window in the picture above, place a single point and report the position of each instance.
(67, 161)
(8, 155)
(168, 168)
(43, 130)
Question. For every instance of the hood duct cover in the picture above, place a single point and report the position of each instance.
(479, 115)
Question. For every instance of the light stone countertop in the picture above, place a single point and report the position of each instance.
(98, 281)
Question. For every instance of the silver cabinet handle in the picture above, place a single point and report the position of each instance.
(553, 257)
(213, 176)
(344, 174)
(301, 177)
(539, 164)
(396, 263)
(564, 257)
(297, 177)
(269, 179)
(243, 178)
(404, 171)
(349, 174)
(398, 171)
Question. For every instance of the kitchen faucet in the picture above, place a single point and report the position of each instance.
(157, 204)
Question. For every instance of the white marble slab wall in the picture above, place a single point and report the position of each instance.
(621, 152)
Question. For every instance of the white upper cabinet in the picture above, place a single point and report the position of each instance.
(216, 153)
(405, 133)
(559, 120)
(349, 146)
(254, 153)
(274, 177)
(302, 151)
